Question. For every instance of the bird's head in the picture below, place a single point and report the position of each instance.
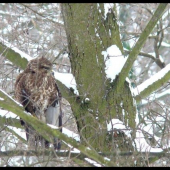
(40, 64)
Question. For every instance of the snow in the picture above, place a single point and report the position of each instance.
(8, 62)
(22, 54)
(112, 57)
(114, 61)
(106, 158)
(117, 124)
(87, 99)
(117, 8)
(161, 58)
(153, 54)
(92, 162)
(166, 92)
(19, 131)
(164, 162)
(98, 7)
(132, 42)
(164, 44)
(65, 131)
(11, 97)
(154, 96)
(151, 80)
(67, 79)
(142, 145)
(10, 141)
(165, 15)
(58, 21)
(8, 114)
(52, 126)
(107, 6)
(73, 150)
(70, 134)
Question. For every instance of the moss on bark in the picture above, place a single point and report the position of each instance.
(89, 33)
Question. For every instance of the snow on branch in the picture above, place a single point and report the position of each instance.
(13, 54)
(40, 127)
(139, 44)
(5, 94)
(16, 56)
(67, 79)
(141, 144)
(12, 47)
(156, 81)
(112, 57)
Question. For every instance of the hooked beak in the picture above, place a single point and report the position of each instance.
(49, 71)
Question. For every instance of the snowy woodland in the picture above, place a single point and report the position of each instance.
(112, 65)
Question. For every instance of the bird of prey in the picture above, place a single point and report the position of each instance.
(36, 89)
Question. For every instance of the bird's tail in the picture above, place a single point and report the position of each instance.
(54, 117)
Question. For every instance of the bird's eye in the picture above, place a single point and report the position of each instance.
(46, 67)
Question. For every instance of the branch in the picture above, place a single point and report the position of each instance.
(13, 56)
(153, 83)
(79, 155)
(22, 62)
(9, 104)
(135, 51)
(156, 60)
(66, 153)
(5, 122)
(137, 34)
(82, 163)
(78, 158)
(43, 16)
(10, 121)
(14, 133)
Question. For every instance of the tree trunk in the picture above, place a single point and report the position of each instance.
(88, 34)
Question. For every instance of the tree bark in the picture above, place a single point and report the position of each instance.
(89, 34)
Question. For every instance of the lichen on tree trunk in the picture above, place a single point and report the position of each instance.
(89, 33)
(122, 105)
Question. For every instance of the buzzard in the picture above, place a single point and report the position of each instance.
(36, 89)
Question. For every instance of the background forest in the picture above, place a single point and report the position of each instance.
(56, 31)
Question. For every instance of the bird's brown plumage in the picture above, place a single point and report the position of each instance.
(36, 89)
